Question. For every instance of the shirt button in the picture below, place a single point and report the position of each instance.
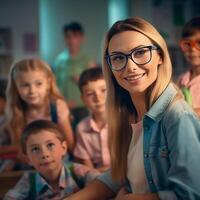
(146, 128)
(146, 155)
(151, 182)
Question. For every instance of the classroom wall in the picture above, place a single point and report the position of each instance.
(54, 14)
(21, 16)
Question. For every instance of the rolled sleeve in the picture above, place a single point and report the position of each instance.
(167, 195)
(107, 180)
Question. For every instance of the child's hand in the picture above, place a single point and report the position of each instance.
(121, 194)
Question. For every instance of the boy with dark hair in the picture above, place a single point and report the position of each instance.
(190, 80)
(68, 67)
(91, 149)
(44, 145)
(69, 64)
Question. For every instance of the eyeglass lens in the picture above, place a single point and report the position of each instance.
(139, 56)
(186, 45)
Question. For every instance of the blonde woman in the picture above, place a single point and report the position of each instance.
(32, 94)
(154, 134)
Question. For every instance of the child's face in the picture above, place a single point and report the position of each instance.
(94, 95)
(74, 40)
(192, 53)
(45, 152)
(134, 78)
(33, 87)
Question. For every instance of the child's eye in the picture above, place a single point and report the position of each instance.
(24, 85)
(39, 83)
(50, 145)
(90, 94)
(104, 90)
(35, 150)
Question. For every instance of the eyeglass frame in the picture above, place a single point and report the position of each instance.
(150, 47)
(192, 43)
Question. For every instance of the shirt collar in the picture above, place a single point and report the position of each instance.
(41, 183)
(92, 126)
(158, 108)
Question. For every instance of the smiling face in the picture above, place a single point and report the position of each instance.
(94, 96)
(45, 152)
(33, 87)
(192, 55)
(134, 78)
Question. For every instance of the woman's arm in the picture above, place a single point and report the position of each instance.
(123, 195)
(96, 190)
(182, 130)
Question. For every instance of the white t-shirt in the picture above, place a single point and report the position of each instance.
(136, 174)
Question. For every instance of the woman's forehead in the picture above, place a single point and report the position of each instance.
(127, 40)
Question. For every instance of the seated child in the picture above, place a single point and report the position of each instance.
(45, 146)
(91, 149)
(189, 81)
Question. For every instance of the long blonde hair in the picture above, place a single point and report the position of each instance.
(16, 107)
(119, 103)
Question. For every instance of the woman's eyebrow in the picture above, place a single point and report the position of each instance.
(119, 52)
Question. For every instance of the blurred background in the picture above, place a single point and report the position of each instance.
(33, 28)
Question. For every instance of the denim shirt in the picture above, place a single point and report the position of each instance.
(171, 146)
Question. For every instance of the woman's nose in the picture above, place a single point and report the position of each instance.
(130, 65)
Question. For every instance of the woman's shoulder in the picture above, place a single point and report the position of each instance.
(178, 112)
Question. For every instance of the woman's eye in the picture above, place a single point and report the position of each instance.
(117, 58)
(140, 52)
(50, 145)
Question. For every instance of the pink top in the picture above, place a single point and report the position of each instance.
(92, 143)
(193, 85)
(62, 113)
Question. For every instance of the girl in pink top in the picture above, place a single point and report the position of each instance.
(190, 80)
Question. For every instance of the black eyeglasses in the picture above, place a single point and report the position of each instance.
(140, 56)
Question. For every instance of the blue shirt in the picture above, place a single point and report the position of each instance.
(33, 184)
(171, 146)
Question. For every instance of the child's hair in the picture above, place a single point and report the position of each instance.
(119, 103)
(191, 27)
(16, 107)
(38, 126)
(73, 27)
(91, 74)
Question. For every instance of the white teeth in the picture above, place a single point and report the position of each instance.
(132, 78)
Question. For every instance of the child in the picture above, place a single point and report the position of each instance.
(68, 67)
(71, 63)
(189, 81)
(32, 94)
(92, 145)
(45, 146)
(154, 135)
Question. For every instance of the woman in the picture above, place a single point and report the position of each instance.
(154, 134)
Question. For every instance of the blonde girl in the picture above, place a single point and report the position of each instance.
(151, 128)
(32, 94)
